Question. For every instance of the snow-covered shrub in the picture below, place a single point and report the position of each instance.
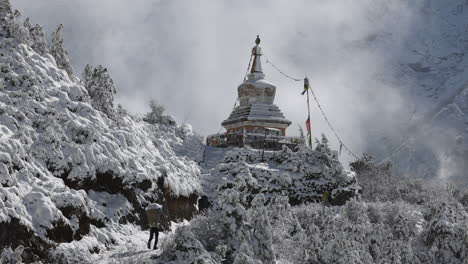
(245, 255)
(304, 176)
(157, 115)
(230, 232)
(192, 145)
(186, 249)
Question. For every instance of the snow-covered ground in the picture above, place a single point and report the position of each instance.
(129, 246)
(132, 251)
(132, 248)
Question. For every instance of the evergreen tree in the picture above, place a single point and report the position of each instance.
(302, 135)
(443, 235)
(38, 41)
(101, 89)
(156, 115)
(27, 23)
(262, 242)
(15, 28)
(58, 51)
(322, 146)
(235, 216)
(5, 8)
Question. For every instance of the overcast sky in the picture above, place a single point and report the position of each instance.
(191, 55)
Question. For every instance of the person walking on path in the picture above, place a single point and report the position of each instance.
(153, 213)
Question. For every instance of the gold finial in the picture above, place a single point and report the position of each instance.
(257, 41)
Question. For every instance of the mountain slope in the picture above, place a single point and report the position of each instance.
(428, 135)
(68, 171)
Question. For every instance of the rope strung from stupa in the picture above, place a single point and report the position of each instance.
(234, 107)
(342, 144)
(284, 74)
(331, 127)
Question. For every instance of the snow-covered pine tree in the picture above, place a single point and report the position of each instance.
(27, 23)
(443, 235)
(5, 8)
(322, 146)
(302, 135)
(235, 215)
(262, 241)
(5, 12)
(38, 41)
(100, 87)
(15, 28)
(58, 51)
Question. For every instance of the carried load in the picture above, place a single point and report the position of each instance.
(153, 213)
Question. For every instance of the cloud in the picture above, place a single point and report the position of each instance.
(192, 55)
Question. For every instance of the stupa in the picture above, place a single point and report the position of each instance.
(256, 111)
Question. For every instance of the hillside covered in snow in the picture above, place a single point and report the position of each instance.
(73, 167)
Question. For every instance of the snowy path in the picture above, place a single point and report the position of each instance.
(134, 250)
(133, 247)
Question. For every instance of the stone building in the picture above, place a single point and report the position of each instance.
(256, 122)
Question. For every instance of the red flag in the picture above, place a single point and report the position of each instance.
(309, 135)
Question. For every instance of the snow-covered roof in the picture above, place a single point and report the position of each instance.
(257, 112)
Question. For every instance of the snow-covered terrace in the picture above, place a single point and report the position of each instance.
(254, 140)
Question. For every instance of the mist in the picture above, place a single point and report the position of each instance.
(190, 56)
